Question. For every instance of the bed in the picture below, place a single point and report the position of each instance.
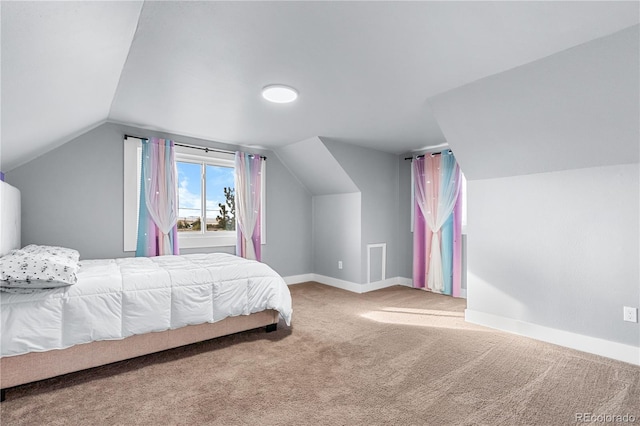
(124, 308)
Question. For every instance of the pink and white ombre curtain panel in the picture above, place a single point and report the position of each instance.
(437, 233)
(157, 230)
(248, 181)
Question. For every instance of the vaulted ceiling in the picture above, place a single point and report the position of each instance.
(368, 73)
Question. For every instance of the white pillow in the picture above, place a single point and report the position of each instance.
(68, 253)
(39, 267)
(20, 290)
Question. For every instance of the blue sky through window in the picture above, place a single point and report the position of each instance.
(190, 188)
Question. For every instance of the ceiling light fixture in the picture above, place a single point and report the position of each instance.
(279, 93)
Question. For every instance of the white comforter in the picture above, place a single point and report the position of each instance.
(116, 298)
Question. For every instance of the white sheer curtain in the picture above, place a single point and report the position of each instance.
(248, 170)
(437, 179)
(161, 199)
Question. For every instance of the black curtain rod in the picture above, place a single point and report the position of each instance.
(203, 148)
(432, 154)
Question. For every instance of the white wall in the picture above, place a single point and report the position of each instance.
(558, 250)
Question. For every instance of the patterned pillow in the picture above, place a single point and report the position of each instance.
(21, 290)
(39, 267)
(68, 253)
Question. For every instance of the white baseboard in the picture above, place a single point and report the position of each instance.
(338, 283)
(347, 285)
(407, 282)
(389, 282)
(593, 345)
(354, 287)
(298, 279)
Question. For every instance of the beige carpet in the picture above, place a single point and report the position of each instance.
(397, 356)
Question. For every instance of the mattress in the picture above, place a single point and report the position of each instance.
(117, 298)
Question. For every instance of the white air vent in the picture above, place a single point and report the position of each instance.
(376, 262)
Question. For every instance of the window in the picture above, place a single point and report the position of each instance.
(206, 202)
(206, 194)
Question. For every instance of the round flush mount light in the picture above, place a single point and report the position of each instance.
(279, 93)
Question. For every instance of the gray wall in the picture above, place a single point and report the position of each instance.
(337, 236)
(376, 175)
(289, 233)
(405, 236)
(72, 196)
(557, 249)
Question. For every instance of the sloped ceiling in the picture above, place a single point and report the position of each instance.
(365, 70)
(61, 63)
(577, 108)
(319, 172)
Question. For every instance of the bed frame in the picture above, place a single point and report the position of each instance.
(34, 366)
(21, 369)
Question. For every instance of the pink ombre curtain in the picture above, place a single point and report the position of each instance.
(248, 181)
(437, 224)
(157, 231)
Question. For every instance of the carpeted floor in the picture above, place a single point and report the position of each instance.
(396, 356)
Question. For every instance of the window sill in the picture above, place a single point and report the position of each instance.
(200, 241)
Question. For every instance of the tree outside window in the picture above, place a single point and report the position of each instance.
(206, 195)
